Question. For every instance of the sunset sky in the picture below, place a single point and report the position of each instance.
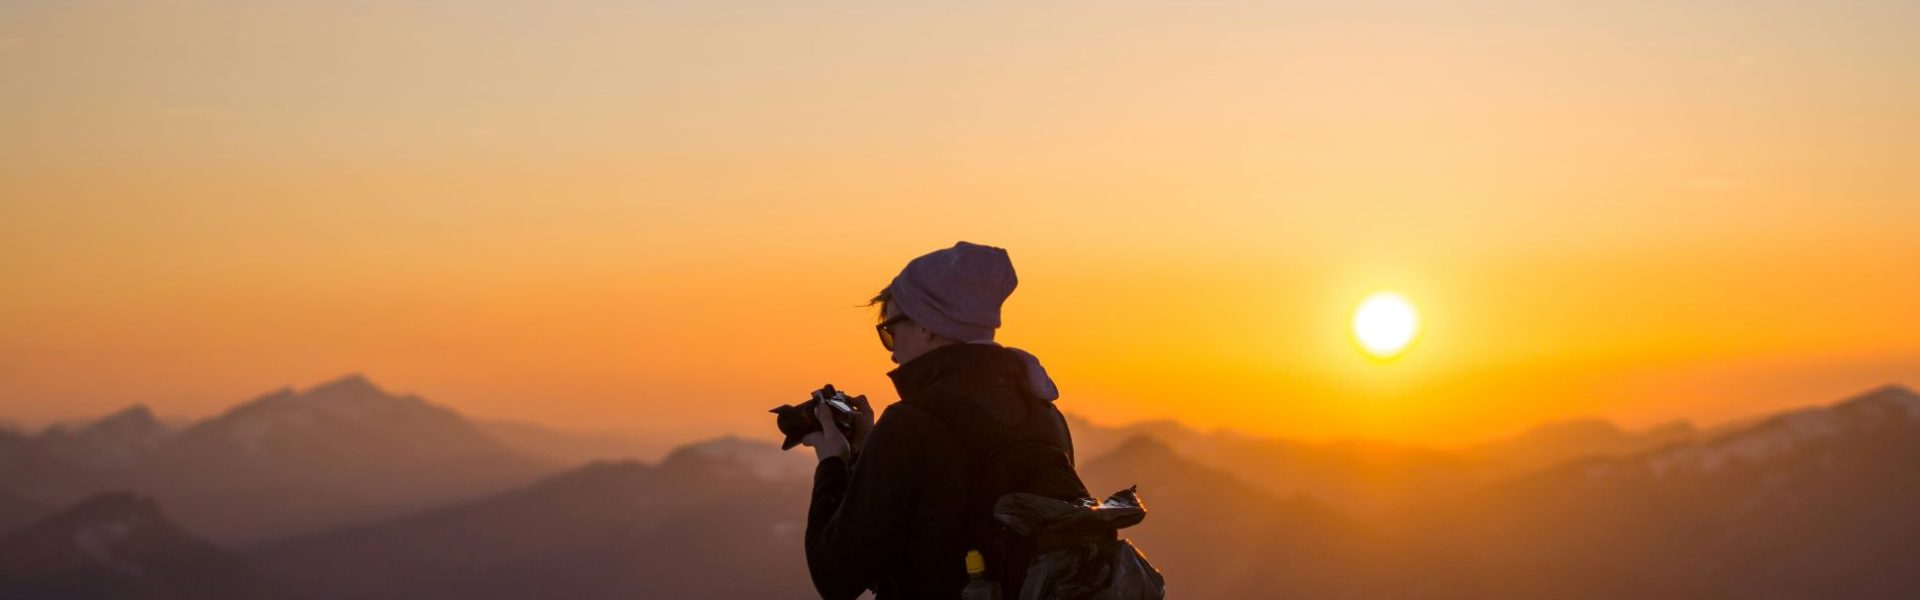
(663, 219)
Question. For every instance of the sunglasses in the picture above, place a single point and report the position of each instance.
(886, 330)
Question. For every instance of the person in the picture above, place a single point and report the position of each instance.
(889, 510)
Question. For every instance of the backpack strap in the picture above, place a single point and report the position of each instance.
(1000, 459)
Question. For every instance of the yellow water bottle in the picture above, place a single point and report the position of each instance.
(978, 586)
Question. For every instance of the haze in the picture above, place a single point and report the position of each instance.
(662, 219)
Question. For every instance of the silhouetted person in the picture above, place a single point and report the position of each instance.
(889, 505)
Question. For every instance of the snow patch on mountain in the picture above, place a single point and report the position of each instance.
(1787, 432)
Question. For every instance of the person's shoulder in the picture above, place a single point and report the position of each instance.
(905, 417)
(902, 431)
(917, 420)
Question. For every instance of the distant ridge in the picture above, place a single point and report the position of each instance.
(282, 462)
(118, 545)
(703, 523)
(1785, 506)
(1217, 536)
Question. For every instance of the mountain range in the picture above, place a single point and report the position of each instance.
(285, 462)
(1809, 503)
(1817, 502)
(1380, 480)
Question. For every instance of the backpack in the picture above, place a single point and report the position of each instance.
(1032, 519)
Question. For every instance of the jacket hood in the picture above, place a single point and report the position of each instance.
(976, 358)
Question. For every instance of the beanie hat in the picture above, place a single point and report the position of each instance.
(956, 292)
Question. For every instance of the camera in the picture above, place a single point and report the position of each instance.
(796, 421)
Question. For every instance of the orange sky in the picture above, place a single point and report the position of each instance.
(659, 219)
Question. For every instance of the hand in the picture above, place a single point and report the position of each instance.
(829, 441)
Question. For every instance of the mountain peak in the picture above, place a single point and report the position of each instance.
(353, 383)
(1890, 395)
(120, 545)
(1141, 447)
(132, 420)
(120, 439)
(351, 394)
(117, 513)
(136, 417)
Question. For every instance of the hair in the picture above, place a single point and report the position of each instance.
(884, 298)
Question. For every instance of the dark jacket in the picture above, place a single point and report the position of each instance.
(893, 521)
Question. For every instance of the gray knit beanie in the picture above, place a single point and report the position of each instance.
(956, 293)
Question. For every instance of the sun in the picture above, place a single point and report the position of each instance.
(1384, 324)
